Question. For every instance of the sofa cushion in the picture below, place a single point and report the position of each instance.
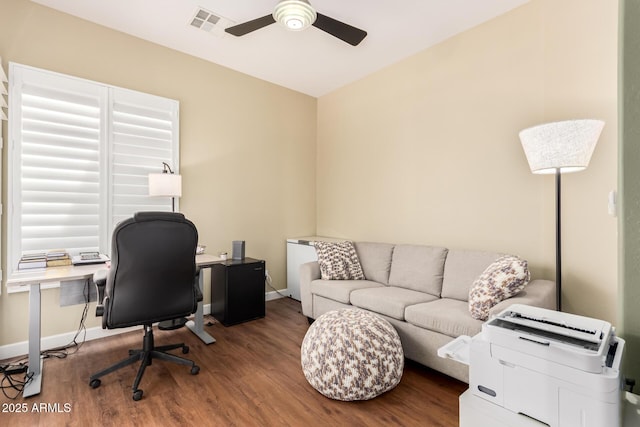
(338, 261)
(418, 267)
(461, 269)
(340, 290)
(506, 277)
(388, 300)
(375, 259)
(447, 316)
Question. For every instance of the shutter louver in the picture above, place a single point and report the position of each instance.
(60, 163)
(144, 132)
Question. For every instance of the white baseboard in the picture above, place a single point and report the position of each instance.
(280, 293)
(22, 348)
(10, 351)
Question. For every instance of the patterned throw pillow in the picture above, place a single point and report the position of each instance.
(338, 261)
(503, 279)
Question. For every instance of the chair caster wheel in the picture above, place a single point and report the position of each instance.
(195, 369)
(185, 349)
(137, 395)
(95, 383)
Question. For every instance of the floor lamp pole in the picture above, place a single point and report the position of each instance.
(168, 325)
(560, 147)
(558, 246)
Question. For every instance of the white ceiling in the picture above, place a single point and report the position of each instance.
(312, 61)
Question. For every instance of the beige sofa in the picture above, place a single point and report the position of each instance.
(421, 290)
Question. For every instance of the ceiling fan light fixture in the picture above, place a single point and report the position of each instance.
(294, 15)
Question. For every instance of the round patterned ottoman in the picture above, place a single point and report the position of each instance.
(352, 354)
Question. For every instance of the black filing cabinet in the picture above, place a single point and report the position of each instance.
(237, 290)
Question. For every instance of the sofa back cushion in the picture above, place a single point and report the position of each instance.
(375, 259)
(418, 267)
(461, 269)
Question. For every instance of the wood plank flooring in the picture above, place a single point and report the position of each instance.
(250, 377)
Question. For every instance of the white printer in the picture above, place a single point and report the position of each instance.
(557, 368)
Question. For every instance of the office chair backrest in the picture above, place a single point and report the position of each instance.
(153, 270)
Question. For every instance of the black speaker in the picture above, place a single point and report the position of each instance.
(238, 249)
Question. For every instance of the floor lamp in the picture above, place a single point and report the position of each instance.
(167, 184)
(557, 148)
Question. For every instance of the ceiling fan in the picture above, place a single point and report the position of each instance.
(297, 15)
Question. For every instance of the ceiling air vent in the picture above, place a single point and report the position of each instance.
(210, 22)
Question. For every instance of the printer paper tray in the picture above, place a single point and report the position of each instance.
(457, 350)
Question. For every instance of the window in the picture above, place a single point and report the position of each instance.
(79, 156)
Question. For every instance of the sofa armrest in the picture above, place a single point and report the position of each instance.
(539, 293)
(309, 272)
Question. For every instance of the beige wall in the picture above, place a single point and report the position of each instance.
(427, 150)
(247, 147)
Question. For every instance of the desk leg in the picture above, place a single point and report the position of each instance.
(197, 325)
(35, 362)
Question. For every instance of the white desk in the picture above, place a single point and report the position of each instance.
(197, 325)
(33, 279)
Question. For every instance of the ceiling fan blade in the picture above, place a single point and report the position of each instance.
(249, 26)
(344, 32)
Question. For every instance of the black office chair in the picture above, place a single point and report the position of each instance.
(152, 278)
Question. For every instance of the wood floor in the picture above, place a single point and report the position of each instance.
(250, 377)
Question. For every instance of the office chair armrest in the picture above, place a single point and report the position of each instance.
(196, 286)
(100, 279)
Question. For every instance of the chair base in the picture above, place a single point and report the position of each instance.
(146, 355)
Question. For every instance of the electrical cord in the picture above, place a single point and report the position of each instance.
(62, 351)
(19, 366)
(268, 282)
(10, 383)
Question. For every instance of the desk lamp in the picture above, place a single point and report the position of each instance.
(557, 148)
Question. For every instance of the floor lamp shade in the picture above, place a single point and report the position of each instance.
(565, 146)
(557, 148)
(165, 184)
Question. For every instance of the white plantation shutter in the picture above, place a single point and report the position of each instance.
(144, 133)
(57, 160)
(80, 154)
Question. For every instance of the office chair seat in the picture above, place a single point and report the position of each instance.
(170, 325)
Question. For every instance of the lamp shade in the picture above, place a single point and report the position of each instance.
(564, 146)
(294, 15)
(165, 184)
